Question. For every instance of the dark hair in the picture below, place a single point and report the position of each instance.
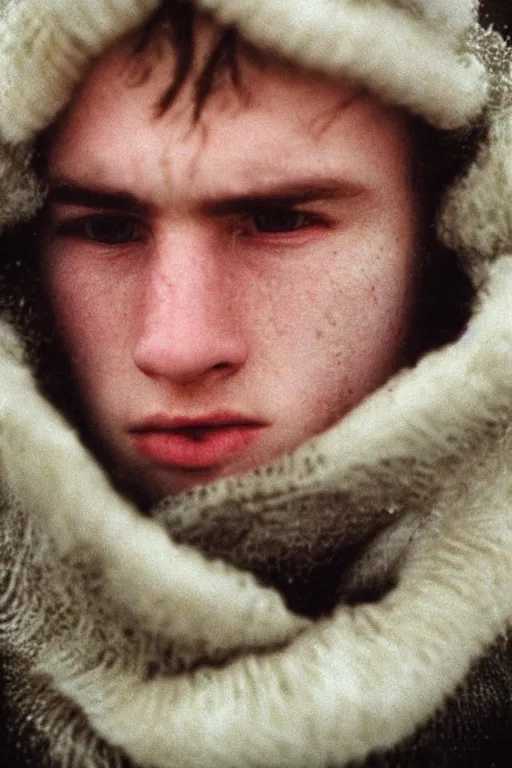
(178, 21)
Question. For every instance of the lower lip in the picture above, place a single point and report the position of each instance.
(195, 449)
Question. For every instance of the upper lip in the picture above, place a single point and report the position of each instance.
(162, 423)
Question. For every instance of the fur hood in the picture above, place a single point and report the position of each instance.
(171, 640)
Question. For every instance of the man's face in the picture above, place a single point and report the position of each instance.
(230, 288)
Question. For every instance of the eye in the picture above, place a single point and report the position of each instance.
(109, 229)
(276, 219)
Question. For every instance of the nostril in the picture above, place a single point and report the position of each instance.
(220, 366)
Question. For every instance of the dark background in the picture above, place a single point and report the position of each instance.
(499, 13)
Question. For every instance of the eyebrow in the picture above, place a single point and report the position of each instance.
(288, 194)
(75, 194)
(285, 196)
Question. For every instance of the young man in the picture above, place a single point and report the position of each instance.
(224, 263)
(230, 278)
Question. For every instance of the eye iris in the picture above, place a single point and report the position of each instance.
(279, 220)
(111, 229)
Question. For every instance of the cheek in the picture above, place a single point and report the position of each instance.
(337, 310)
(341, 334)
(87, 313)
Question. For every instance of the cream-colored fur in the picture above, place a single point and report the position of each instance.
(414, 59)
(60, 39)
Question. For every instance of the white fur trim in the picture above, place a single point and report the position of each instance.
(362, 681)
(411, 59)
(45, 48)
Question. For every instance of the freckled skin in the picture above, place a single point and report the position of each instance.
(206, 311)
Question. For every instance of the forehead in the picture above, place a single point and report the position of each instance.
(278, 118)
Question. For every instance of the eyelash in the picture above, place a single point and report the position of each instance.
(80, 228)
(280, 220)
(294, 220)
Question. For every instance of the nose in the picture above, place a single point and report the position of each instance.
(187, 319)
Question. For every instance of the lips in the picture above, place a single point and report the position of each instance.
(200, 443)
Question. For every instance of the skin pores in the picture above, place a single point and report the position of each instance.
(226, 289)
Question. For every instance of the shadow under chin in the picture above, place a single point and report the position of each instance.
(306, 549)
